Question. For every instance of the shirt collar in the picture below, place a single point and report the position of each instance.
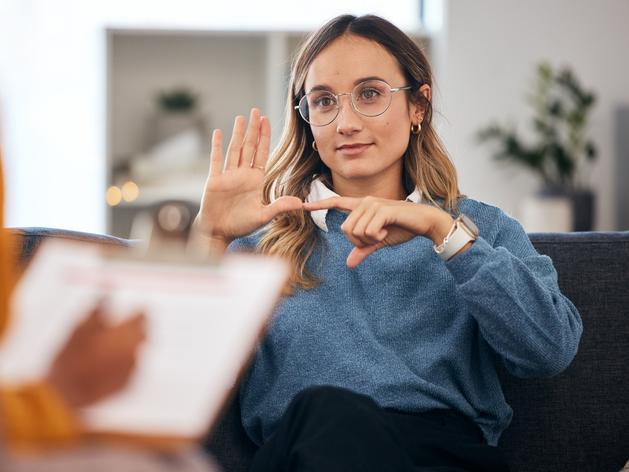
(319, 191)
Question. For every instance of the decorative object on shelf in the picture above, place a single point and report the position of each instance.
(560, 153)
(177, 100)
(173, 161)
(177, 112)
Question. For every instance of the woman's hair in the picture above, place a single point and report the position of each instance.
(295, 164)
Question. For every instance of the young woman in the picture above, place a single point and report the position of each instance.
(405, 294)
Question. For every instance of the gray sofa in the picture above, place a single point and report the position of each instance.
(577, 421)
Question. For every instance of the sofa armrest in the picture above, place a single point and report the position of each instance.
(29, 239)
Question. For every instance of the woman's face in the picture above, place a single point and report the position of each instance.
(353, 146)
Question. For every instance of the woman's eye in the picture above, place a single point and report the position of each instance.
(369, 94)
(324, 102)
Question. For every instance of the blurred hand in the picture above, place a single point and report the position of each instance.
(98, 358)
(232, 201)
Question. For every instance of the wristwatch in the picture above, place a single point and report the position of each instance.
(462, 232)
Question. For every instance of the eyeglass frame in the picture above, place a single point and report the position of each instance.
(338, 96)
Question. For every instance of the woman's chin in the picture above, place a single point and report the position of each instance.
(357, 173)
(360, 169)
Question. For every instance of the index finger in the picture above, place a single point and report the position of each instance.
(340, 203)
(134, 326)
(95, 319)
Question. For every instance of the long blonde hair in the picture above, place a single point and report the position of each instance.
(294, 164)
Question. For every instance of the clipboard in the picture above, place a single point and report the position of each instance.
(203, 321)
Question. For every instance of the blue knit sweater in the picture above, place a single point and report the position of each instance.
(413, 332)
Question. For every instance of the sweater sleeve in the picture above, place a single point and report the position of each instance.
(35, 416)
(512, 292)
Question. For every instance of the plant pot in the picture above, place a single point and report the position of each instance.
(554, 208)
(546, 213)
(583, 210)
(164, 125)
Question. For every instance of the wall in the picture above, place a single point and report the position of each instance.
(489, 51)
(53, 115)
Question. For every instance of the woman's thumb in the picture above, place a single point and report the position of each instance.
(282, 205)
(359, 254)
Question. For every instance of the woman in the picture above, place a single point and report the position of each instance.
(97, 360)
(40, 428)
(406, 294)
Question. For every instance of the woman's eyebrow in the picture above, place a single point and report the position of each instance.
(356, 82)
(320, 87)
(371, 77)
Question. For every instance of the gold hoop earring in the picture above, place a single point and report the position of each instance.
(314, 146)
(416, 128)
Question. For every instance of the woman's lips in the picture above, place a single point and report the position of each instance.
(353, 149)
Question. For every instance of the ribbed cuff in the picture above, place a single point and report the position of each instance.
(464, 265)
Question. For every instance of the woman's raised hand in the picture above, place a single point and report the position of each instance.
(232, 201)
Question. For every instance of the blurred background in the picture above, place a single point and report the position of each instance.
(106, 107)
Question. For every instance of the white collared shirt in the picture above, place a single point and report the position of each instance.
(319, 191)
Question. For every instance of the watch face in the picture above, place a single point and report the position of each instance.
(469, 224)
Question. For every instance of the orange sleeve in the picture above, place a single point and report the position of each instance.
(35, 416)
(31, 415)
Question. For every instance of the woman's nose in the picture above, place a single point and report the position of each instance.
(348, 120)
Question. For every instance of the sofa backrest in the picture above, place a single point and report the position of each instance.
(579, 420)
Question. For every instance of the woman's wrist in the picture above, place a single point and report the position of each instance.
(206, 230)
(217, 244)
(440, 226)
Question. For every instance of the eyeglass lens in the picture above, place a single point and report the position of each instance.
(369, 98)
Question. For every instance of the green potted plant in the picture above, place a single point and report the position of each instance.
(176, 111)
(560, 151)
(177, 100)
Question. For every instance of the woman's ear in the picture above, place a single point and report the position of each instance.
(419, 106)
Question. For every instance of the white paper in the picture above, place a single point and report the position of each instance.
(202, 325)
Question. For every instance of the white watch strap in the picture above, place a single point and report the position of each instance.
(454, 242)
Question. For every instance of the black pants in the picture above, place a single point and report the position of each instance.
(328, 429)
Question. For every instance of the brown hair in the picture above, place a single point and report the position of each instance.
(294, 164)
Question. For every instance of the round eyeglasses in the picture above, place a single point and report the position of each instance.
(369, 98)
